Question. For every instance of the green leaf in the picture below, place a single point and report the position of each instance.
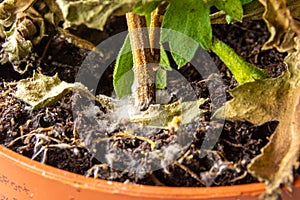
(145, 9)
(161, 79)
(233, 8)
(246, 1)
(243, 71)
(123, 74)
(142, 8)
(164, 60)
(185, 24)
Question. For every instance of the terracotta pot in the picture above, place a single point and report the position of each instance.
(25, 179)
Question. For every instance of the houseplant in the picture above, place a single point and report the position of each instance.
(215, 47)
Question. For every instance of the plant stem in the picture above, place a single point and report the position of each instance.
(146, 54)
(154, 36)
(144, 74)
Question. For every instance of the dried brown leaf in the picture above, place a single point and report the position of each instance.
(266, 100)
(282, 26)
(28, 29)
(278, 159)
(41, 91)
(92, 13)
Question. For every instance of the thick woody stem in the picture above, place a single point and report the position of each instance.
(144, 74)
(146, 54)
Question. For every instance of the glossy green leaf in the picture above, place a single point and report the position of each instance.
(123, 74)
(186, 24)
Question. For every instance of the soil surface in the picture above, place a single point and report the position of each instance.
(50, 135)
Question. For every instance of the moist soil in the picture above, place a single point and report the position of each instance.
(50, 135)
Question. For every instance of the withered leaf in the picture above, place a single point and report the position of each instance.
(41, 90)
(161, 115)
(280, 24)
(27, 30)
(16, 48)
(278, 159)
(272, 99)
(10, 7)
(92, 13)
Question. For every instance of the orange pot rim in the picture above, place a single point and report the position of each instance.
(134, 190)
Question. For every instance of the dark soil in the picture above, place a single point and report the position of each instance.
(48, 135)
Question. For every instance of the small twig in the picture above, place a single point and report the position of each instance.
(190, 172)
(77, 41)
(32, 133)
(233, 144)
(95, 169)
(156, 181)
(239, 177)
(129, 136)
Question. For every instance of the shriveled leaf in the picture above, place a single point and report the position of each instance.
(92, 13)
(41, 90)
(294, 7)
(161, 115)
(10, 7)
(280, 24)
(278, 159)
(16, 48)
(28, 29)
(272, 99)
